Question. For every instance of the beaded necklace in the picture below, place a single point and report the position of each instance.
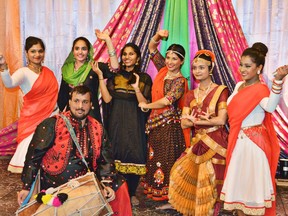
(199, 101)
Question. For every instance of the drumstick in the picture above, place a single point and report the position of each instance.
(104, 187)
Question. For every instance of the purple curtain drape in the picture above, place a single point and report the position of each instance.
(146, 27)
(207, 39)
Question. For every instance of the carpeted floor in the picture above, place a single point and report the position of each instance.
(10, 184)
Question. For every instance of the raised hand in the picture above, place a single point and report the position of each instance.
(136, 84)
(96, 69)
(102, 35)
(281, 72)
(163, 33)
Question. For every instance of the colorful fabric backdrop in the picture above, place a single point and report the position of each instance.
(225, 27)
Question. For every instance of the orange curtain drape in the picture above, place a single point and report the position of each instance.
(11, 47)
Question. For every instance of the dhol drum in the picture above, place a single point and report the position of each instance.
(84, 198)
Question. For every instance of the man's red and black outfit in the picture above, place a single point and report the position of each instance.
(53, 151)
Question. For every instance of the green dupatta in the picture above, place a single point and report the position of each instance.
(73, 77)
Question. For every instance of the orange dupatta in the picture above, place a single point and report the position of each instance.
(38, 104)
(238, 109)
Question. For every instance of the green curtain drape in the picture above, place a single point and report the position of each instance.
(177, 23)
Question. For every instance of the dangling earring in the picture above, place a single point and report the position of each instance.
(87, 59)
(42, 61)
(258, 72)
(123, 64)
(136, 63)
(27, 60)
(211, 70)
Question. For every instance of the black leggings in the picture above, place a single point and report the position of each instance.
(132, 181)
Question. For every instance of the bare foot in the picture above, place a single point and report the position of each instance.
(165, 206)
(134, 201)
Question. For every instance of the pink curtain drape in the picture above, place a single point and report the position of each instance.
(229, 33)
(120, 27)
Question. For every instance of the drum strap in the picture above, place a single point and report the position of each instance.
(73, 136)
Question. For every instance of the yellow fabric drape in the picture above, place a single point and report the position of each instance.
(11, 47)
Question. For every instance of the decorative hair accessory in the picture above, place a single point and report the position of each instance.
(49, 199)
(258, 72)
(205, 52)
(176, 52)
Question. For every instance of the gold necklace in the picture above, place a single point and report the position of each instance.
(35, 69)
(171, 76)
(199, 103)
(251, 83)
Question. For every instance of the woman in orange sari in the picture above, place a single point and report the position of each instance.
(253, 149)
(196, 178)
(40, 89)
(165, 137)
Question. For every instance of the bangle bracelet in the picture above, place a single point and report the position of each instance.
(155, 42)
(112, 53)
(279, 82)
(101, 79)
(144, 109)
(151, 55)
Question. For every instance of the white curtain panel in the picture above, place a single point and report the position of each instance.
(267, 21)
(59, 22)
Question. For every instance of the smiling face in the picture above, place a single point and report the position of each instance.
(35, 54)
(248, 69)
(129, 58)
(80, 105)
(173, 62)
(80, 51)
(200, 68)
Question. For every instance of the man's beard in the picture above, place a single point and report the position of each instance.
(79, 118)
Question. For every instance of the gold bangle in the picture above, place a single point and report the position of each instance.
(155, 42)
(144, 109)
